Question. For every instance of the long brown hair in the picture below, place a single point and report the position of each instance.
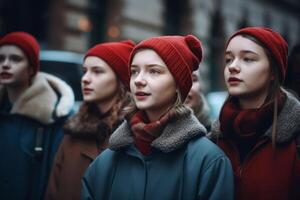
(274, 88)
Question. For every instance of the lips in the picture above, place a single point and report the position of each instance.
(234, 80)
(5, 75)
(142, 94)
(87, 90)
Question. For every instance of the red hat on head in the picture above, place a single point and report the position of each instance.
(116, 55)
(271, 40)
(182, 55)
(27, 43)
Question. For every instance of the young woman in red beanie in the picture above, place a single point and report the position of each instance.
(87, 133)
(160, 151)
(259, 122)
(33, 109)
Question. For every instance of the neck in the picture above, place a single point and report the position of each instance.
(106, 105)
(15, 92)
(155, 115)
(252, 101)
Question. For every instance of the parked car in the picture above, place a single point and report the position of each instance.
(65, 65)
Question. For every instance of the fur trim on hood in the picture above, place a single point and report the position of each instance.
(179, 131)
(40, 101)
(90, 124)
(288, 122)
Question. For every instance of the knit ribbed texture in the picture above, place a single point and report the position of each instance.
(116, 55)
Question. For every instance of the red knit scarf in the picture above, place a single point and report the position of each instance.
(247, 124)
(144, 131)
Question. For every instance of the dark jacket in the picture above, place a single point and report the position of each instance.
(268, 174)
(184, 164)
(30, 132)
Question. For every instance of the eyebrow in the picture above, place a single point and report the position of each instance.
(243, 52)
(150, 65)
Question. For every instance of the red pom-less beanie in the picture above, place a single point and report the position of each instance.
(116, 55)
(28, 44)
(181, 54)
(271, 40)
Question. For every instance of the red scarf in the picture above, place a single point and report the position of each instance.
(247, 124)
(144, 131)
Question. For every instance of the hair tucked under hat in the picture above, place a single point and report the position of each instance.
(182, 55)
(27, 43)
(271, 40)
(116, 55)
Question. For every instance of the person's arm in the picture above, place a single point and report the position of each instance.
(217, 182)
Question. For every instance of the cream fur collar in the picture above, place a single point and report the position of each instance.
(39, 101)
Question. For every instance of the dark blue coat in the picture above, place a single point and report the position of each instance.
(30, 133)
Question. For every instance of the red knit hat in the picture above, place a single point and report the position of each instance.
(116, 54)
(27, 43)
(271, 40)
(182, 55)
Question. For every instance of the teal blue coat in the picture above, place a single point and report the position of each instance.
(184, 164)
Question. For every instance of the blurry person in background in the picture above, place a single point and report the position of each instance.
(87, 133)
(259, 123)
(292, 79)
(33, 109)
(160, 151)
(196, 100)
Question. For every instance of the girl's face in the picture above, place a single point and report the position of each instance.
(151, 83)
(14, 67)
(193, 99)
(247, 69)
(99, 82)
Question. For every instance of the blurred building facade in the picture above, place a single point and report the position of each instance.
(75, 25)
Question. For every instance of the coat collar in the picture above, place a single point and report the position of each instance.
(288, 122)
(40, 101)
(176, 133)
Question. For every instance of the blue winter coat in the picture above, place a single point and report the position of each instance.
(183, 165)
(30, 132)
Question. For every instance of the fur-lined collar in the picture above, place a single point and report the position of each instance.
(288, 122)
(177, 133)
(87, 123)
(40, 101)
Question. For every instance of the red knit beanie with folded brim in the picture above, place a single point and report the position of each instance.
(116, 55)
(28, 44)
(181, 54)
(271, 40)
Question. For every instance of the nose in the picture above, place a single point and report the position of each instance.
(139, 79)
(86, 78)
(5, 64)
(234, 67)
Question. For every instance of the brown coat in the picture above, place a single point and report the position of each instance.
(86, 136)
(71, 161)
